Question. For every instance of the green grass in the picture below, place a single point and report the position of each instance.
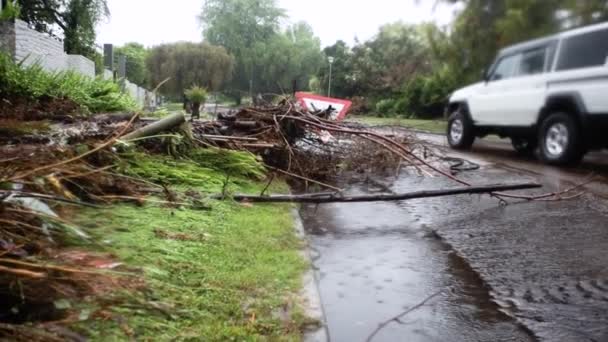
(173, 106)
(433, 126)
(233, 277)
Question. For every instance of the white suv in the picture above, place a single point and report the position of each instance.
(550, 92)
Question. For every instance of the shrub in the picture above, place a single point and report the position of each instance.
(425, 96)
(93, 95)
(385, 107)
(197, 94)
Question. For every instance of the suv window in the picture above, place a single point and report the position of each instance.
(533, 62)
(583, 51)
(505, 68)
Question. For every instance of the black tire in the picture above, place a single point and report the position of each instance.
(460, 131)
(524, 146)
(560, 140)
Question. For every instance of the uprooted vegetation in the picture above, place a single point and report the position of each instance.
(110, 229)
(127, 244)
(106, 239)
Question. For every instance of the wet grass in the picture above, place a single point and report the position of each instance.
(228, 273)
(432, 126)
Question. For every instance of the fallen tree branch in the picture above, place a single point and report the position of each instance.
(306, 179)
(333, 198)
(227, 137)
(22, 273)
(401, 315)
(156, 127)
(552, 196)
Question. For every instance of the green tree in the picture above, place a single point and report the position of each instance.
(189, 64)
(74, 19)
(485, 26)
(136, 54)
(244, 28)
(380, 66)
(292, 55)
(344, 79)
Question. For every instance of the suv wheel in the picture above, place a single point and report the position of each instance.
(461, 132)
(560, 140)
(524, 146)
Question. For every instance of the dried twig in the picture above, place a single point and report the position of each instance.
(272, 175)
(304, 178)
(22, 273)
(401, 315)
(48, 197)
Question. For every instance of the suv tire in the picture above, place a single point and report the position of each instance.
(460, 131)
(560, 140)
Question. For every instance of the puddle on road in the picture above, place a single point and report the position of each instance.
(376, 260)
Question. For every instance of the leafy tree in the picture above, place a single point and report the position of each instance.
(136, 54)
(344, 78)
(293, 55)
(9, 10)
(380, 66)
(75, 20)
(244, 28)
(485, 26)
(188, 64)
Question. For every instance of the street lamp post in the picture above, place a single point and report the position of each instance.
(331, 61)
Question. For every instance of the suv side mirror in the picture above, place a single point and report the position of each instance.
(484, 75)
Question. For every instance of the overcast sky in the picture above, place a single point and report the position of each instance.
(152, 22)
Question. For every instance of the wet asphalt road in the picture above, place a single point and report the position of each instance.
(524, 272)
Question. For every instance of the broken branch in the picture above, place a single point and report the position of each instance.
(333, 198)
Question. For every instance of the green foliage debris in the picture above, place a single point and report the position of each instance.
(230, 273)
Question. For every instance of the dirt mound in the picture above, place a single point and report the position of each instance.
(45, 108)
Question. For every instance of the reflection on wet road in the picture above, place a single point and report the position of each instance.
(517, 273)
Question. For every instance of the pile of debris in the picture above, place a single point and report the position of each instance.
(73, 163)
(307, 145)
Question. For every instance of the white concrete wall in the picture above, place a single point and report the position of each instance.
(142, 96)
(34, 47)
(107, 74)
(28, 41)
(30, 46)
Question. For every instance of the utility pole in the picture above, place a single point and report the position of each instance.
(331, 61)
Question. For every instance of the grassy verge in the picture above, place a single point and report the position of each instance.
(433, 126)
(229, 272)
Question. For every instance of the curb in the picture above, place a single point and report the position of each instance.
(310, 295)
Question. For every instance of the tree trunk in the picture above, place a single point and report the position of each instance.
(196, 110)
(157, 127)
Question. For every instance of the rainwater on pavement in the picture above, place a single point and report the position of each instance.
(523, 272)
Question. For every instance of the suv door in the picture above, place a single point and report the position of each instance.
(487, 106)
(515, 90)
(526, 97)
